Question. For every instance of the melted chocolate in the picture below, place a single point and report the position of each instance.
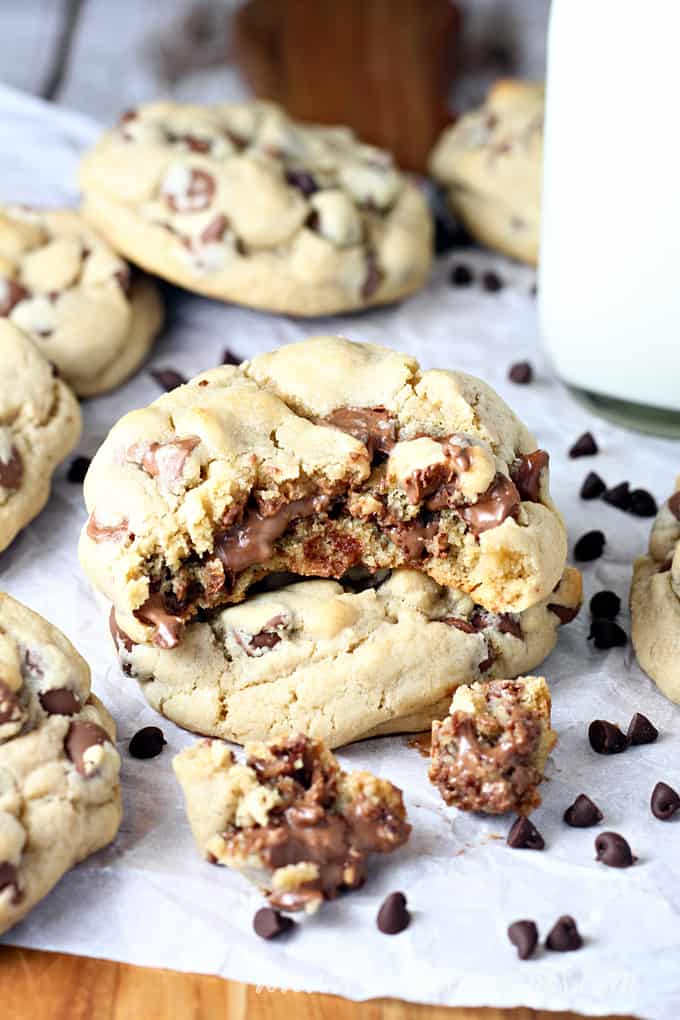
(500, 501)
(373, 426)
(169, 627)
(526, 474)
(243, 545)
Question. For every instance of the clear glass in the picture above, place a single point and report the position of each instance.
(609, 274)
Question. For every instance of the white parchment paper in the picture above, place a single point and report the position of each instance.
(149, 898)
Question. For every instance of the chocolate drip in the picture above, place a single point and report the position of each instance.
(252, 541)
(526, 474)
(500, 501)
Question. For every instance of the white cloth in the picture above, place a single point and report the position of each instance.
(150, 899)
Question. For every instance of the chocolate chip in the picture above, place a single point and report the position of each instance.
(78, 469)
(12, 470)
(606, 737)
(592, 487)
(613, 850)
(448, 236)
(373, 277)
(605, 605)
(13, 294)
(167, 378)
(564, 936)
(674, 505)
(229, 358)
(521, 372)
(10, 706)
(268, 923)
(583, 813)
(585, 446)
(665, 802)
(589, 546)
(606, 634)
(147, 742)
(618, 496)
(303, 181)
(641, 730)
(9, 877)
(80, 738)
(393, 915)
(533, 290)
(461, 275)
(642, 503)
(565, 614)
(524, 935)
(525, 836)
(60, 701)
(491, 282)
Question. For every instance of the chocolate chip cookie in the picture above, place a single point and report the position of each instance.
(489, 753)
(59, 788)
(339, 664)
(241, 203)
(655, 601)
(319, 457)
(63, 287)
(290, 819)
(490, 163)
(39, 424)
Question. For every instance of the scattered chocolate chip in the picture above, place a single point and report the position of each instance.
(147, 742)
(524, 935)
(229, 358)
(524, 835)
(81, 736)
(641, 730)
(60, 701)
(167, 378)
(605, 605)
(393, 915)
(618, 496)
(461, 275)
(269, 923)
(564, 936)
(303, 181)
(665, 802)
(642, 503)
(589, 546)
(521, 372)
(491, 282)
(613, 850)
(448, 235)
(592, 487)
(607, 634)
(606, 737)
(78, 469)
(585, 446)
(583, 813)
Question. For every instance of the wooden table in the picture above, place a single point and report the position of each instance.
(70, 52)
(53, 986)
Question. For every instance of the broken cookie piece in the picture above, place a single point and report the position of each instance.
(488, 755)
(315, 459)
(290, 819)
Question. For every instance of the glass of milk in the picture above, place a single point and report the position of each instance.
(609, 276)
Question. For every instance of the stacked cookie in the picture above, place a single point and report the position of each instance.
(73, 319)
(415, 502)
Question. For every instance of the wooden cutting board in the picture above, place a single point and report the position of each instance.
(54, 986)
